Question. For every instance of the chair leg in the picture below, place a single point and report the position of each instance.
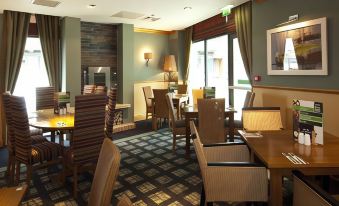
(12, 169)
(174, 141)
(202, 196)
(17, 172)
(28, 175)
(75, 182)
(52, 136)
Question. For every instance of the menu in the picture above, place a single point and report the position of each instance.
(308, 121)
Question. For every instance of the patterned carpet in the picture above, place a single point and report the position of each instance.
(150, 174)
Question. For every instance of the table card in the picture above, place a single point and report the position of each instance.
(209, 92)
(308, 127)
(61, 100)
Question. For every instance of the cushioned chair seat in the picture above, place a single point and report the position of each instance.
(237, 123)
(180, 123)
(46, 151)
(35, 131)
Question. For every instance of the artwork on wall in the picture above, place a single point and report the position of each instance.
(298, 49)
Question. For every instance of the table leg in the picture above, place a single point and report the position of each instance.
(53, 136)
(276, 193)
(61, 137)
(188, 132)
(231, 126)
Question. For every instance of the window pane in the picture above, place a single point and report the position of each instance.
(32, 73)
(240, 80)
(196, 76)
(217, 66)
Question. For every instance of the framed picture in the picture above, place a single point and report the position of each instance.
(298, 49)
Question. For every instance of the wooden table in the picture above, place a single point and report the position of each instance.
(323, 159)
(191, 112)
(12, 195)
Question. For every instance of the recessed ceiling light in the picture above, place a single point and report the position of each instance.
(91, 6)
(187, 8)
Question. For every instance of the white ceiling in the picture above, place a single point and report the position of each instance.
(172, 13)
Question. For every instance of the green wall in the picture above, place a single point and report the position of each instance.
(270, 13)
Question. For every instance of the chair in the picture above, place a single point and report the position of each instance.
(160, 109)
(88, 89)
(105, 175)
(178, 126)
(211, 120)
(45, 98)
(182, 89)
(261, 119)
(124, 201)
(109, 116)
(100, 90)
(148, 94)
(197, 94)
(227, 174)
(88, 135)
(306, 192)
(36, 135)
(34, 156)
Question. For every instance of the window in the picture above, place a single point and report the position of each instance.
(32, 73)
(217, 63)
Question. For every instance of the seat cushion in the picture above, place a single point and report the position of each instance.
(237, 123)
(35, 131)
(180, 123)
(46, 151)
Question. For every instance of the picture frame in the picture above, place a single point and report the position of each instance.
(298, 49)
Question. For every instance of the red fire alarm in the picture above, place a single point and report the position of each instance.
(257, 78)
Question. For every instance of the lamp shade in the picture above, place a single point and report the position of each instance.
(148, 55)
(170, 64)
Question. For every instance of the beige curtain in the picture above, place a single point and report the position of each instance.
(48, 29)
(15, 31)
(243, 23)
(187, 45)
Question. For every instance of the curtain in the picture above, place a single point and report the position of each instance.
(243, 23)
(48, 29)
(187, 46)
(15, 31)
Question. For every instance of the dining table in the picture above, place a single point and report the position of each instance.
(12, 195)
(271, 149)
(191, 112)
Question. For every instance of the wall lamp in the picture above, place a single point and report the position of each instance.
(147, 57)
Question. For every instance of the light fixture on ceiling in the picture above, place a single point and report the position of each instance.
(187, 8)
(226, 11)
(91, 6)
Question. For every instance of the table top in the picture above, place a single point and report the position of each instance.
(270, 147)
(194, 109)
(176, 96)
(12, 195)
(46, 119)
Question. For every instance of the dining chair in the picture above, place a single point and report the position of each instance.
(160, 108)
(109, 116)
(148, 94)
(211, 113)
(178, 126)
(34, 156)
(45, 98)
(182, 89)
(227, 173)
(106, 173)
(100, 90)
(261, 119)
(307, 192)
(197, 94)
(88, 89)
(35, 134)
(124, 201)
(88, 135)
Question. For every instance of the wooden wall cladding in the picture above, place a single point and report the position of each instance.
(212, 27)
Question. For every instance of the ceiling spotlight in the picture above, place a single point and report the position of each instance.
(187, 8)
(91, 6)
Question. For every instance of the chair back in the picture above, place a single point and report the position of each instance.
(23, 141)
(197, 94)
(160, 104)
(45, 98)
(249, 99)
(148, 94)
(306, 192)
(109, 119)
(89, 123)
(182, 89)
(88, 89)
(198, 147)
(8, 118)
(211, 120)
(105, 175)
(124, 201)
(100, 90)
(170, 106)
(261, 118)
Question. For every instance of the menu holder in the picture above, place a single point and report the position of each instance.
(209, 92)
(61, 100)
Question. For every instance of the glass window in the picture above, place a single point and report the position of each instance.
(32, 73)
